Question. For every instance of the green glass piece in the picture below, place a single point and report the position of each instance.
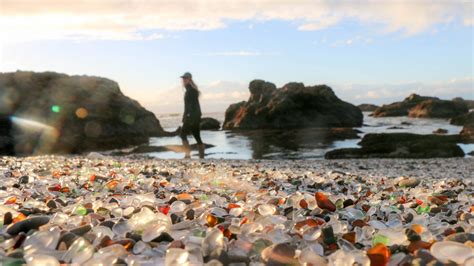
(340, 203)
(379, 239)
(80, 210)
(423, 209)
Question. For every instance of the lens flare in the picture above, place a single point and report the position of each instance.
(82, 113)
(56, 108)
(31, 124)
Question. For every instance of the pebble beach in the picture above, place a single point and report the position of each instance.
(100, 210)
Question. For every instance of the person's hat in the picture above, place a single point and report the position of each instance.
(187, 75)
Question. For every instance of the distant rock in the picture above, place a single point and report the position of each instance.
(401, 145)
(438, 109)
(400, 108)
(467, 121)
(422, 106)
(209, 123)
(467, 134)
(293, 106)
(463, 120)
(469, 103)
(367, 107)
(78, 113)
(440, 131)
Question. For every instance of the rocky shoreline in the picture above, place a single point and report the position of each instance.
(141, 211)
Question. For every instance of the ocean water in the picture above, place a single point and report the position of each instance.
(292, 144)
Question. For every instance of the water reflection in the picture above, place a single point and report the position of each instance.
(297, 144)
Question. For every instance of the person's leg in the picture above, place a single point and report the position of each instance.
(183, 134)
(196, 130)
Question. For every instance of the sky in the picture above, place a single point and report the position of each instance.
(368, 51)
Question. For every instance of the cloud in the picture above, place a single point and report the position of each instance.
(387, 93)
(235, 53)
(122, 20)
(356, 40)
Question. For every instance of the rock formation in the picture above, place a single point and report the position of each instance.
(401, 145)
(209, 123)
(60, 113)
(422, 106)
(293, 106)
(367, 107)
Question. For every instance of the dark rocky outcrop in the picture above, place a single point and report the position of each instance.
(6, 138)
(438, 109)
(400, 108)
(463, 120)
(422, 106)
(467, 121)
(293, 106)
(469, 103)
(467, 134)
(401, 145)
(81, 113)
(367, 107)
(209, 123)
(440, 131)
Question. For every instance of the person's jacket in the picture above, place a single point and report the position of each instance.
(192, 109)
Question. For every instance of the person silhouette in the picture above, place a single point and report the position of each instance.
(192, 116)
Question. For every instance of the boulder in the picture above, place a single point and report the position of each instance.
(367, 107)
(401, 145)
(400, 108)
(467, 121)
(467, 134)
(421, 106)
(463, 120)
(293, 106)
(438, 109)
(57, 113)
(469, 103)
(6, 139)
(440, 131)
(209, 123)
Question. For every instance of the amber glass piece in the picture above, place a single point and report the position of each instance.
(92, 178)
(184, 196)
(379, 255)
(11, 200)
(351, 236)
(211, 220)
(359, 223)
(303, 204)
(232, 206)
(55, 188)
(416, 245)
(438, 200)
(65, 190)
(417, 228)
(402, 200)
(19, 217)
(112, 184)
(240, 195)
(324, 203)
(449, 231)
